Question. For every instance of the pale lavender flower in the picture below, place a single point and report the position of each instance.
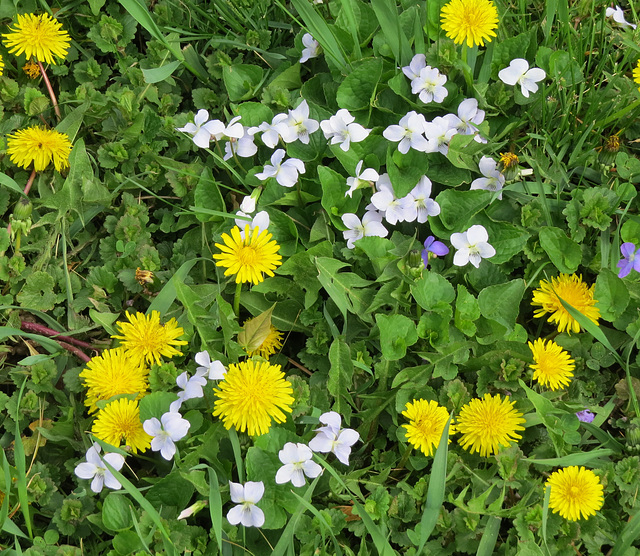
(342, 129)
(364, 179)
(412, 71)
(191, 388)
(439, 133)
(311, 48)
(202, 129)
(618, 16)
(424, 206)
(213, 370)
(409, 133)
(585, 416)
(286, 173)
(297, 463)
(332, 438)
(95, 469)
(518, 73)
(630, 260)
(166, 432)
(472, 246)
(371, 225)
(438, 249)
(298, 125)
(429, 85)
(271, 132)
(246, 496)
(493, 180)
(470, 116)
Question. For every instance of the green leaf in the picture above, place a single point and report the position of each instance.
(358, 88)
(627, 536)
(37, 293)
(457, 208)
(256, 330)
(501, 302)
(171, 490)
(405, 170)
(432, 288)
(207, 198)
(387, 14)
(155, 75)
(612, 295)
(564, 253)
(397, 332)
(115, 512)
(340, 373)
(155, 405)
(242, 81)
(467, 312)
(254, 113)
(344, 288)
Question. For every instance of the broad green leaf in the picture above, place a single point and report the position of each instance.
(37, 293)
(155, 75)
(457, 208)
(115, 512)
(340, 373)
(242, 81)
(612, 295)
(564, 253)
(171, 490)
(358, 89)
(501, 302)
(344, 288)
(397, 333)
(432, 288)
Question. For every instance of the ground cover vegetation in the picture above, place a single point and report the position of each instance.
(335, 277)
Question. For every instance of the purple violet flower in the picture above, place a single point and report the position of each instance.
(631, 259)
(432, 246)
(585, 416)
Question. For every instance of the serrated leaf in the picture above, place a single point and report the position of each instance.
(37, 293)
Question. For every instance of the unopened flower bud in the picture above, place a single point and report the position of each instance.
(23, 209)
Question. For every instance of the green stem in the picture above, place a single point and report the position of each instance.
(236, 299)
(405, 457)
(466, 70)
(618, 115)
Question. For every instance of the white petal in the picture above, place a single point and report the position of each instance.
(321, 443)
(369, 175)
(351, 221)
(535, 74)
(86, 470)
(203, 358)
(202, 138)
(475, 259)
(477, 234)
(253, 517)
(289, 453)
(236, 490)
(288, 176)
(348, 437)
(201, 117)
(486, 250)
(283, 475)
(152, 426)
(358, 133)
(342, 453)
(311, 469)
(234, 515)
(510, 75)
(114, 460)
(461, 257)
(248, 206)
(297, 477)
(96, 484)
(217, 371)
(332, 419)
(253, 491)
(168, 450)
(393, 133)
(459, 240)
(111, 482)
(487, 166)
(175, 426)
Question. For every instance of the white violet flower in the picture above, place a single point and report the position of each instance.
(363, 179)
(331, 438)
(439, 133)
(472, 246)
(286, 173)
(191, 388)
(618, 16)
(297, 463)
(429, 85)
(95, 469)
(371, 225)
(518, 72)
(246, 496)
(395, 210)
(409, 132)
(311, 48)
(248, 204)
(171, 428)
(412, 71)
(202, 129)
(271, 132)
(342, 129)
(470, 117)
(493, 180)
(423, 204)
(298, 125)
(213, 370)
(243, 147)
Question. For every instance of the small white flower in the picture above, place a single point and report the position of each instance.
(191, 388)
(371, 225)
(518, 72)
(439, 133)
(420, 197)
(286, 173)
(271, 132)
(299, 125)
(311, 48)
(213, 370)
(243, 147)
(297, 463)
(260, 221)
(363, 179)
(331, 438)
(395, 210)
(234, 130)
(248, 205)
(171, 428)
(95, 469)
(202, 129)
(429, 85)
(493, 180)
(472, 246)
(618, 16)
(409, 132)
(470, 117)
(342, 129)
(246, 496)
(412, 71)
(193, 509)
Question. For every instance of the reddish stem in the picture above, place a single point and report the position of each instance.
(54, 100)
(45, 331)
(79, 354)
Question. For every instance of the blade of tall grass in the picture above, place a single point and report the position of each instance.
(136, 526)
(545, 516)
(435, 492)
(489, 537)
(387, 14)
(581, 458)
(215, 506)
(21, 468)
(627, 536)
(320, 31)
(286, 538)
(168, 293)
(321, 520)
(349, 12)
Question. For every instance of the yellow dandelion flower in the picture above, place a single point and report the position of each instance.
(120, 422)
(1, 65)
(426, 423)
(576, 492)
(574, 292)
(31, 69)
(111, 373)
(487, 424)
(636, 74)
(38, 36)
(251, 395)
(470, 21)
(144, 276)
(553, 366)
(40, 146)
(271, 344)
(250, 257)
(146, 340)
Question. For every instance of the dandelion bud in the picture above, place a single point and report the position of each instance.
(23, 209)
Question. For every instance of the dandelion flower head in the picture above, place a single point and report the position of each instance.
(120, 422)
(636, 74)
(146, 340)
(576, 492)
(470, 21)
(251, 395)
(574, 292)
(487, 424)
(38, 36)
(31, 69)
(552, 366)
(426, 423)
(249, 257)
(1, 65)
(40, 146)
(112, 373)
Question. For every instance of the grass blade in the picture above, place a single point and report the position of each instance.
(321, 520)
(435, 493)
(389, 20)
(21, 467)
(629, 534)
(489, 537)
(287, 534)
(215, 506)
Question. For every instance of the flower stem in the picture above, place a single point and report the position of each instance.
(405, 457)
(27, 188)
(54, 100)
(236, 299)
